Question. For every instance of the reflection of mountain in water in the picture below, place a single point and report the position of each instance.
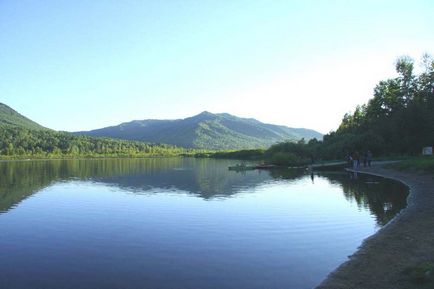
(18, 180)
(206, 178)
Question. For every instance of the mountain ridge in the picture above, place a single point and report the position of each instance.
(21, 137)
(206, 130)
(10, 117)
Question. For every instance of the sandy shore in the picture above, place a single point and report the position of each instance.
(398, 254)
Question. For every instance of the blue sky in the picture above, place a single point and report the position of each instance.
(79, 65)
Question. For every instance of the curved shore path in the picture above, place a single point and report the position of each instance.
(396, 255)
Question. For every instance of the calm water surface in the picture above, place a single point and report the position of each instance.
(181, 223)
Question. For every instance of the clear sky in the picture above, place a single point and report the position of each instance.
(80, 65)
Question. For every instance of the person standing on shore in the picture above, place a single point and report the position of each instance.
(365, 158)
(350, 160)
(369, 157)
(356, 160)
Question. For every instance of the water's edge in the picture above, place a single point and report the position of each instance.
(383, 257)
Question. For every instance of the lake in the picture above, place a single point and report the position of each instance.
(181, 223)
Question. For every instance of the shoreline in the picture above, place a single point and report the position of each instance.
(391, 258)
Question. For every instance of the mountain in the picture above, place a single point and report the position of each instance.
(21, 137)
(10, 117)
(206, 131)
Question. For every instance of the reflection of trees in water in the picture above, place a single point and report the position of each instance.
(291, 174)
(383, 197)
(205, 177)
(19, 180)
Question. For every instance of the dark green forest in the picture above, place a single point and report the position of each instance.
(22, 138)
(221, 131)
(397, 121)
(18, 142)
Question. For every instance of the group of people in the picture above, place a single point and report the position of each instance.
(354, 159)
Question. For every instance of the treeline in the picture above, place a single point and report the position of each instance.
(18, 142)
(398, 120)
(253, 154)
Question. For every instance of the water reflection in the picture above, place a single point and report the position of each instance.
(205, 178)
(383, 197)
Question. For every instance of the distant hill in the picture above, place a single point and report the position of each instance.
(10, 117)
(21, 137)
(206, 131)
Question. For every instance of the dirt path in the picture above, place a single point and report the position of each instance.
(401, 254)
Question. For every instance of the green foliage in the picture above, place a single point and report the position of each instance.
(285, 158)
(18, 142)
(239, 155)
(10, 117)
(417, 164)
(398, 120)
(421, 273)
(206, 131)
(282, 154)
(23, 138)
(292, 153)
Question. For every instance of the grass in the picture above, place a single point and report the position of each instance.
(416, 164)
(420, 273)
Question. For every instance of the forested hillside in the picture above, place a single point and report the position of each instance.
(207, 131)
(21, 137)
(10, 117)
(398, 120)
